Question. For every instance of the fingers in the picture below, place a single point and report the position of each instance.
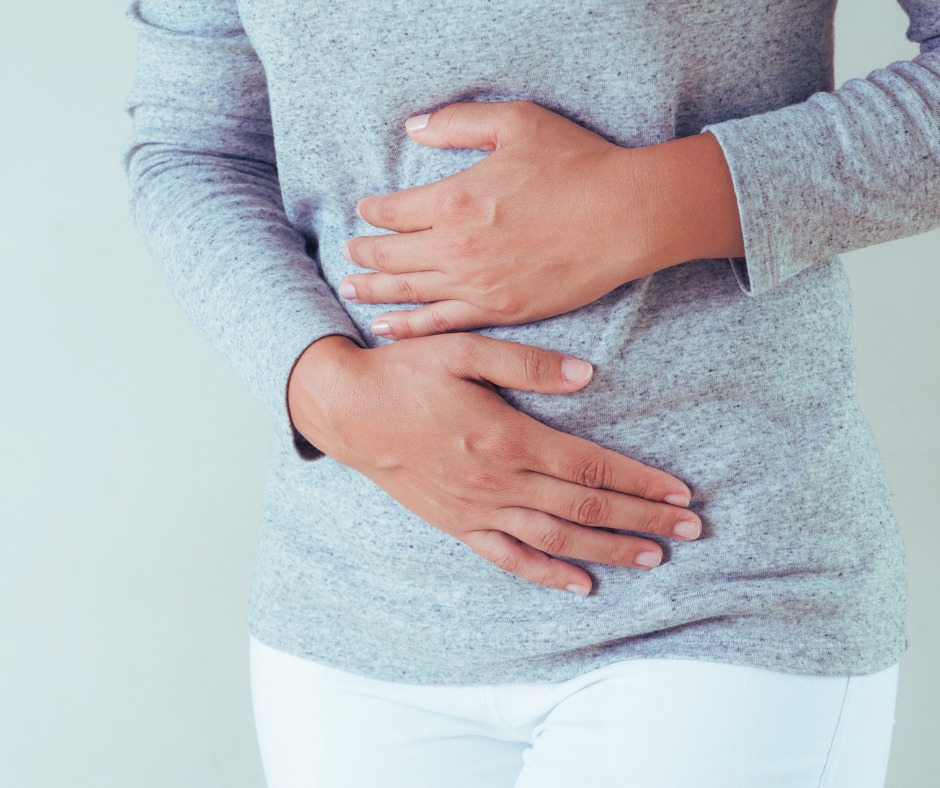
(552, 452)
(484, 125)
(606, 509)
(440, 317)
(571, 458)
(406, 211)
(528, 539)
(415, 288)
(393, 253)
(558, 537)
(516, 366)
(518, 558)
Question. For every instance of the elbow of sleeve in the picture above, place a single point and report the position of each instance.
(842, 170)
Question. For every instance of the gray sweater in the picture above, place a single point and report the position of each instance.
(736, 376)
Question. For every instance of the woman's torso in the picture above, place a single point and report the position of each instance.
(749, 400)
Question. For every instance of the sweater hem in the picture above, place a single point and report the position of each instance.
(810, 659)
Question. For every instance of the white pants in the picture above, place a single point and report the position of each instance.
(654, 723)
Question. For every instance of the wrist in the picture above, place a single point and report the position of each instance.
(315, 381)
(693, 209)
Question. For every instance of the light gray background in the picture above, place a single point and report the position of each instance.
(133, 461)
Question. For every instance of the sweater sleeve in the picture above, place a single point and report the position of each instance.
(842, 170)
(206, 198)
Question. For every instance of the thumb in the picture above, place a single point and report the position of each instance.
(468, 124)
(524, 367)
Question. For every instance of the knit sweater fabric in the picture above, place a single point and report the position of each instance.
(258, 124)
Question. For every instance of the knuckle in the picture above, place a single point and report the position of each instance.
(471, 506)
(438, 322)
(459, 350)
(387, 212)
(517, 111)
(651, 521)
(455, 203)
(406, 289)
(504, 304)
(464, 344)
(500, 449)
(472, 444)
(502, 454)
(490, 283)
(534, 364)
(380, 254)
(553, 538)
(643, 486)
(594, 471)
(461, 246)
(504, 558)
(486, 279)
(449, 117)
(501, 519)
(513, 451)
(589, 509)
(522, 115)
(483, 478)
(481, 541)
(622, 551)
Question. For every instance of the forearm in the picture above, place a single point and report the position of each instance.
(692, 209)
(206, 196)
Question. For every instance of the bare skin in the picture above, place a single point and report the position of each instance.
(554, 203)
(508, 486)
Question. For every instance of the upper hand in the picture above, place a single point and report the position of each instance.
(553, 219)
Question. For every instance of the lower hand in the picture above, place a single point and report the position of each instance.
(511, 488)
(553, 219)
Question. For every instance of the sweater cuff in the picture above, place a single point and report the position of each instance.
(758, 173)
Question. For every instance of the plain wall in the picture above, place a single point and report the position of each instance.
(133, 461)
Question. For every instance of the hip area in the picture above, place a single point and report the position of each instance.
(800, 563)
(401, 600)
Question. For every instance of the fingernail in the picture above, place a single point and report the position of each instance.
(381, 328)
(346, 290)
(580, 590)
(575, 370)
(687, 529)
(346, 253)
(677, 499)
(417, 122)
(359, 213)
(649, 559)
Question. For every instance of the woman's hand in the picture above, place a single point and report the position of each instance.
(553, 219)
(423, 420)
